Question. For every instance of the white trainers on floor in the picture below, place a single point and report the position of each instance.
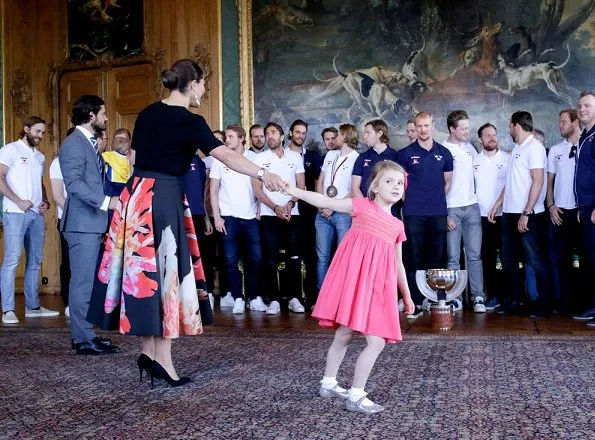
(239, 306)
(479, 306)
(274, 308)
(67, 312)
(227, 301)
(258, 305)
(401, 306)
(10, 318)
(296, 306)
(457, 305)
(212, 301)
(40, 312)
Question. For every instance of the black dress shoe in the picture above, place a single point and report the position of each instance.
(95, 347)
(510, 308)
(104, 341)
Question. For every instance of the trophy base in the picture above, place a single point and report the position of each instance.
(442, 317)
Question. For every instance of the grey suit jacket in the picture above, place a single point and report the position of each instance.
(84, 186)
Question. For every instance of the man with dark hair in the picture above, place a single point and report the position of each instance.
(312, 166)
(584, 185)
(430, 168)
(84, 219)
(464, 216)
(329, 135)
(257, 141)
(25, 203)
(279, 221)
(563, 229)
(523, 218)
(489, 172)
(411, 131)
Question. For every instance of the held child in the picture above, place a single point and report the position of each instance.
(358, 292)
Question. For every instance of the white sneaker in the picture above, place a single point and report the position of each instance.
(227, 301)
(479, 306)
(274, 308)
(10, 318)
(427, 304)
(40, 312)
(457, 305)
(67, 312)
(258, 305)
(296, 306)
(401, 306)
(212, 301)
(239, 306)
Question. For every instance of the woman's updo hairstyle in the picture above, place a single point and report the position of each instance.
(182, 73)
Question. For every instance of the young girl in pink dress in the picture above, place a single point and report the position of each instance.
(359, 292)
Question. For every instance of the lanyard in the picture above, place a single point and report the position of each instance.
(335, 171)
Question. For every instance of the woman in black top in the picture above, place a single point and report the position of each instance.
(151, 269)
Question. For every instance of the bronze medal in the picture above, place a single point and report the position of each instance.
(332, 191)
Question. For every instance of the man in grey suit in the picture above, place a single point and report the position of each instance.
(85, 216)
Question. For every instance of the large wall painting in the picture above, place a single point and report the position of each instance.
(105, 28)
(335, 61)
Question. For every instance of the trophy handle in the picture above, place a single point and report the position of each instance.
(455, 292)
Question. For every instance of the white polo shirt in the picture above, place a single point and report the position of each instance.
(236, 194)
(489, 174)
(562, 166)
(25, 172)
(286, 166)
(341, 167)
(462, 188)
(528, 156)
(56, 173)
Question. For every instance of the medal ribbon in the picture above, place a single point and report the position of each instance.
(335, 171)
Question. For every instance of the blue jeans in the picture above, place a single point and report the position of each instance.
(20, 229)
(326, 233)
(529, 248)
(468, 220)
(242, 234)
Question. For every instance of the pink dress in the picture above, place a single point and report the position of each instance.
(360, 287)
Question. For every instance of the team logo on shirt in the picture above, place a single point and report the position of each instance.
(192, 167)
(366, 162)
(517, 155)
(24, 160)
(558, 157)
(308, 163)
(499, 166)
(475, 168)
(266, 165)
(414, 160)
(438, 157)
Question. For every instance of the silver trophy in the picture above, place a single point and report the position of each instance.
(441, 286)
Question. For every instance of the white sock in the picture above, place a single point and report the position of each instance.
(328, 382)
(357, 393)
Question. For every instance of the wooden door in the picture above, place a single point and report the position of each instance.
(125, 90)
(130, 89)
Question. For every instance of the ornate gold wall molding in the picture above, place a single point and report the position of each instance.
(246, 66)
(202, 57)
(21, 94)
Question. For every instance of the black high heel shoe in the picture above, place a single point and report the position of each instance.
(160, 373)
(144, 362)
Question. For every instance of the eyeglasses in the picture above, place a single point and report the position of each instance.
(572, 152)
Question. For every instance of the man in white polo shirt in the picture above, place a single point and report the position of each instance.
(523, 218)
(490, 167)
(279, 220)
(561, 204)
(464, 217)
(234, 211)
(25, 203)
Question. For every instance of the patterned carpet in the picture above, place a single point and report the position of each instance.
(263, 385)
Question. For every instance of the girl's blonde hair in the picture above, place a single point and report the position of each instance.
(379, 169)
(351, 135)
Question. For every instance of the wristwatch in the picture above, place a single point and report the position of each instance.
(260, 173)
(526, 213)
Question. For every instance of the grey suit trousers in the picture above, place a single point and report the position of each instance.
(83, 249)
